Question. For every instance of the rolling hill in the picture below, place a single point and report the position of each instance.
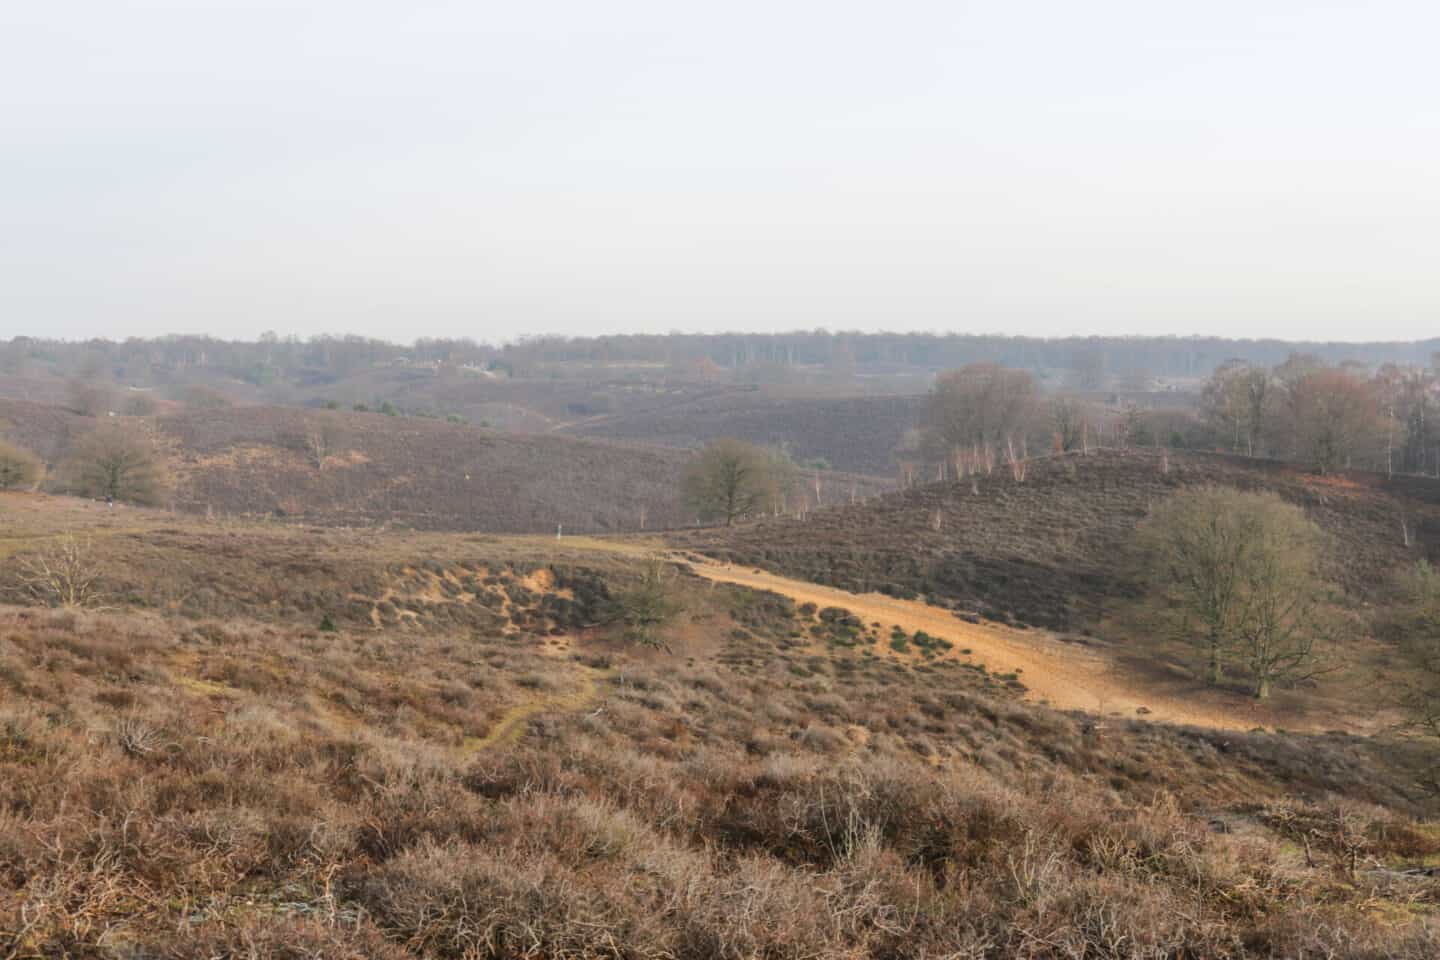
(1051, 550)
(854, 434)
(341, 467)
(273, 740)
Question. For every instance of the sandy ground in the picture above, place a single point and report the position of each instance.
(1066, 676)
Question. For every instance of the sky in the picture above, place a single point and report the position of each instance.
(499, 170)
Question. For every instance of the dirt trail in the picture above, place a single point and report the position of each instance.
(512, 724)
(1067, 677)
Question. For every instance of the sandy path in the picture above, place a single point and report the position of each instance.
(1066, 676)
(511, 726)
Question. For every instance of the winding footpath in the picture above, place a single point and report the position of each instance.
(1062, 675)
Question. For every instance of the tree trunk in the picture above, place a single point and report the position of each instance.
(1262, 687)
(1213, 671)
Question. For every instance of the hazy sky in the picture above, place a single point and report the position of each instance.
(487, 169)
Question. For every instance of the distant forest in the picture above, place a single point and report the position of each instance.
(1091, 361)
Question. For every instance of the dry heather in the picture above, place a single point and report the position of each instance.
(46, 431)
(176, 785)
(856, 434)
(345, 468)
(1051, 550)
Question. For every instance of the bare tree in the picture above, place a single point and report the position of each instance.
(116, 462)
(728, 480)
(1332, 414)
(1416, 627)
(19, 468)
(1238, 402)
(1129, 427)
(1069, 420)
(780, 479)
(1406, 396)
(317, 438)
(1017, 459)
(1284, 596)
(1240, 578)
(977, 406)
(88, 397)
(323, 439)
(1259, 408)
(64, 574)
(911, 453)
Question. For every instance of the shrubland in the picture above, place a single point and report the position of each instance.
(343, 468)
(1053, 548)
(219, 776)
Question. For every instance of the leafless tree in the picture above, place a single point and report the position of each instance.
(909, 456)
(1069, 421)
(322, 441)
(1239, 574)
(977, 406)
(1285, 611)
(1417, 628)
(729, 479)
(318, 438)
(1238, 401)
(63, 574)
(88, 397)
(1332, 415)
(116, 462)
(1018, 461)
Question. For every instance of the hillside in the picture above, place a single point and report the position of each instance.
(474, 762)
(530, 405)
(46, 430)
(1051, 550)
(418, 472)
(854, 434)
(341, 467)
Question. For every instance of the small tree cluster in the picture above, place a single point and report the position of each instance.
(974, 412)
(1331, 417)
(1239, 403)
(1239, 573)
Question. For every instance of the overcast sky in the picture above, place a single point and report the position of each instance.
(494, 170)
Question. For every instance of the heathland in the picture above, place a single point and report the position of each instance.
(342, 649)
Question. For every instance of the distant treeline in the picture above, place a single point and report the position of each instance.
(1091, 361)
(1100, 357)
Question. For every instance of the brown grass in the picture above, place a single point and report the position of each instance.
(178, 785)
